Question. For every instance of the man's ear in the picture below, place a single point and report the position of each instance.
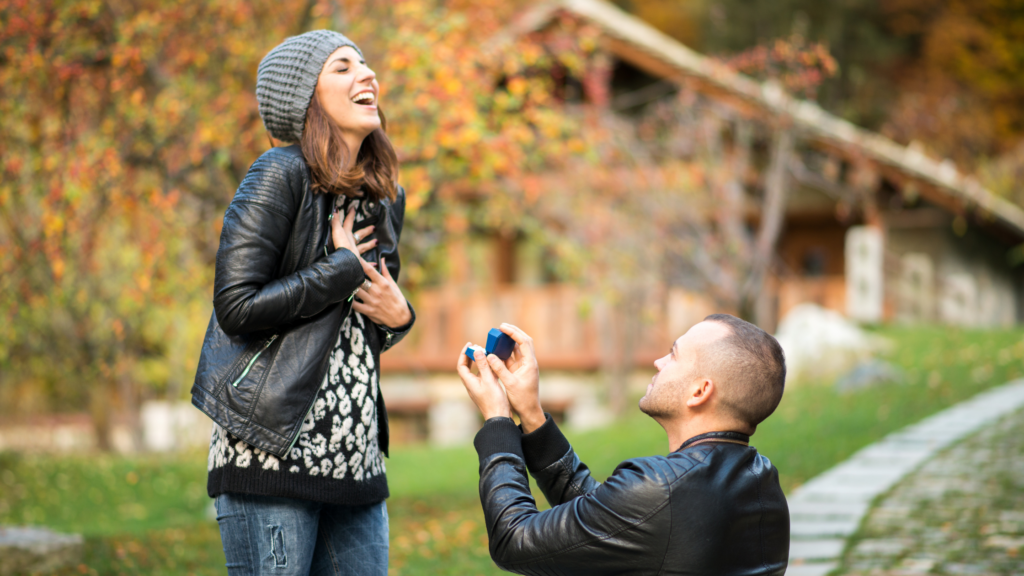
(701, 392)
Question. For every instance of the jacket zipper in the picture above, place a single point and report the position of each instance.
(299, 432)
(253, 361)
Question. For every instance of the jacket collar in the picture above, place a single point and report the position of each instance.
(729, 437)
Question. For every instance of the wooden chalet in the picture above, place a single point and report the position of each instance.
(871, 228)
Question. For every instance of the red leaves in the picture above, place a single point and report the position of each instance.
(796, 64)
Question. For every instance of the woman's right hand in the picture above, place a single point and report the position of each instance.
(343, 237)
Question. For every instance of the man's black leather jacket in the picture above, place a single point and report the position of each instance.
(281, 294)
(713, 507)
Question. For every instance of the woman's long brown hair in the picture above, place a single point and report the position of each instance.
(375, 170)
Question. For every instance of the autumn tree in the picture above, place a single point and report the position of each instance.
(963, 81)
(127, 125)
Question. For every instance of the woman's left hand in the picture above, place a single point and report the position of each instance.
(380, 299)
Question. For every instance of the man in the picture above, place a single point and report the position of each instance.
(713, 506)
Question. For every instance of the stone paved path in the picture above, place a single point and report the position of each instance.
(961, 513)
(828, 509)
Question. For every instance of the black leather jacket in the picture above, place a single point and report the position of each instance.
(280, 296)
(714, 507)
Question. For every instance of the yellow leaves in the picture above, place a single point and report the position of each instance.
(500, 163)
(417, 184)
(112, 163)
(207, 134)
(53, 224)
(469, 136)
(423, 101)
(531, 53)
(452, 86)
(521, 135)
(517, 86)
(550, 130)
(57, 267)
(398, 61)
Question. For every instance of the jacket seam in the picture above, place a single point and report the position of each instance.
(302, 301)
(564, 461)
(639, 522)
(583, 543)
(668, 533)
(260, 201)
(310, 241)
(760, 521)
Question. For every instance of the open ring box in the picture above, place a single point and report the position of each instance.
(498, 343)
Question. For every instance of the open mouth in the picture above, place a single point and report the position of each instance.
(365, 98)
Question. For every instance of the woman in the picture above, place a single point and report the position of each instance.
(290, 365)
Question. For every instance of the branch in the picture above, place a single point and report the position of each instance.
(772, 214)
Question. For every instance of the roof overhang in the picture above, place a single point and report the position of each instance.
(643, 46)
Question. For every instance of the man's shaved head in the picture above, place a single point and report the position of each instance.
(747, 365)
(743, 363)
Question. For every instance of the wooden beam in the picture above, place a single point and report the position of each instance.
(657, 67)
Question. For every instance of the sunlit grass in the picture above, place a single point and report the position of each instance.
(148, 514)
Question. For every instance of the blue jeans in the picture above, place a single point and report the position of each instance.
(286, 536)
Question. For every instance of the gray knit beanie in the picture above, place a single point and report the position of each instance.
(287, 77)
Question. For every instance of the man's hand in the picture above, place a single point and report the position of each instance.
(521, 376)
(380, 299)
(484, 390)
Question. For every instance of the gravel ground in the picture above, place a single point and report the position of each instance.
(961, 513)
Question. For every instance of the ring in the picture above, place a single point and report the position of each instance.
(358, 236)
(366, 285)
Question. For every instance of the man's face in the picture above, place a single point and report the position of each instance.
(668, 391)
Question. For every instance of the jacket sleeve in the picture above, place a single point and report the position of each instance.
(554, 465)
(607, 526)
(389, 251)
(257, 227)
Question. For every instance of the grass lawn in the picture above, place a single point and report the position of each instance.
(148, 514)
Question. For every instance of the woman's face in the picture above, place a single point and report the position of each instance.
(347, 89)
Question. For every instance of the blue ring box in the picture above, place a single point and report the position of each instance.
(498, 343)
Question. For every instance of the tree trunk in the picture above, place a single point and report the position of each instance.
(755, 303)
(100, 413)
(620, 330)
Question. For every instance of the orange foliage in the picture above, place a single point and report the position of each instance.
(127, 125)
(961, 92)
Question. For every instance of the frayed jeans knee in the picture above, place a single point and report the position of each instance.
(288, 536)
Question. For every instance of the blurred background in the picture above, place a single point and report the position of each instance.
(603, 174)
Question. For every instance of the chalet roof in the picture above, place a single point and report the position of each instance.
(638, 42)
